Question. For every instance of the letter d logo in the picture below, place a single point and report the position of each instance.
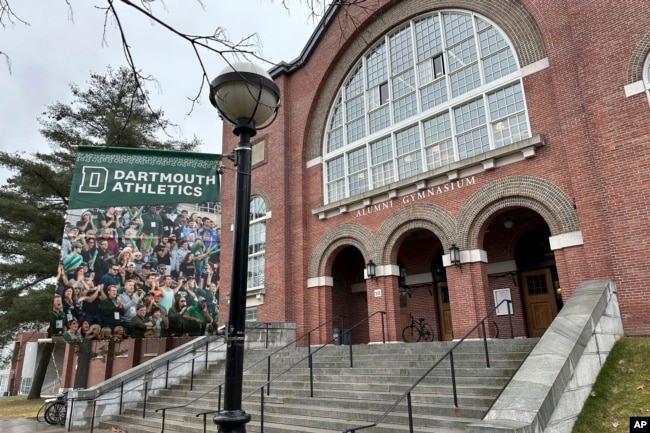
(94, 180)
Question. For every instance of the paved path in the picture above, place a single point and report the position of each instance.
(30, 425)
(27, 425)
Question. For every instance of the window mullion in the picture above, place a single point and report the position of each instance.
(488, 120)
(414, 65)
(479, 55)
(389, 74)
(396, 157)
(346, 174)
(370, 185)
(423, 154)
(454, 133)
(445, 56)
(364, 87)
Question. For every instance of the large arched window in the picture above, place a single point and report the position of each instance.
(439, 89)
(256, 243)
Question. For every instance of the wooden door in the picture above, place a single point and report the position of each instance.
(444, 313)
(539, 300)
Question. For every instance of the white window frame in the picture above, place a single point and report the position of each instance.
(25, 385)
(510, 77)
(251, 314)
(256, 255)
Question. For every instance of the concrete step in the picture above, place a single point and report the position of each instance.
(301, 418)
(344, 397)
(358, 382)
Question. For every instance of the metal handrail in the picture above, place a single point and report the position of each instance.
(407, 393)
(220, 386)
(166, 373)
(140, 385)
(310, 356)
(267, 385)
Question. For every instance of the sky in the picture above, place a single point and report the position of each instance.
(63, 45)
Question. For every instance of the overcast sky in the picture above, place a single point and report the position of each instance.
(62, 46)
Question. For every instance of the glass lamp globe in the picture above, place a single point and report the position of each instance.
(245, 95)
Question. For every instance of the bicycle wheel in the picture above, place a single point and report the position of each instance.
(426, 333)
(55, 414)
(50, 414)
(63, 413)
(41, 411)
(411, 334)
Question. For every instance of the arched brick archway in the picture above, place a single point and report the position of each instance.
(348, 234)
(514, 193)
(417, 216)
(637, 60)
(540, 195)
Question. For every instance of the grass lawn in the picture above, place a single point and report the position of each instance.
(19, 407)
(621, 391)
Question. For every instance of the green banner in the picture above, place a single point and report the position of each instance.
(124, 176)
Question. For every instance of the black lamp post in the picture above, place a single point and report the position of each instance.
(247, 97)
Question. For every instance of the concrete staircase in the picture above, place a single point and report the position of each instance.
(345, 397)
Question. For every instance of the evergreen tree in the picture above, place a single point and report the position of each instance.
(112, 111)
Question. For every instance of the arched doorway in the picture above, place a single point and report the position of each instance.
(423, 291)
(522, 264)
(539, 280)
(349, 299)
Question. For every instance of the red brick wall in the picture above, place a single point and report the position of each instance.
(125, 355)
(595, 151)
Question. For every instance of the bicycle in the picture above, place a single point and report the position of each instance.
(55, 409)
(419, 331)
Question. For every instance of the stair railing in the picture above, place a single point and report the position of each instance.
(219, 388)
(310, 355)
(450, 353)
(144, 386)
(266, 327)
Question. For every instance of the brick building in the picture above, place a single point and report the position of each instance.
(515, 130)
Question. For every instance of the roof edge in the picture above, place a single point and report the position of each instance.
(287, 68)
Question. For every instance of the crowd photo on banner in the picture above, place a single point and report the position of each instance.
(137, 272)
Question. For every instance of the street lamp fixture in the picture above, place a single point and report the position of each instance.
(454, 255)
(248, 99)
(371, 269)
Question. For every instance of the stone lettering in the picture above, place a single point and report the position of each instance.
(417, 196)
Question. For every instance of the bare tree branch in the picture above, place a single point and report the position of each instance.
(139, 78)
(217, 43)
(7, 15)
(8, 60)
(224, 47)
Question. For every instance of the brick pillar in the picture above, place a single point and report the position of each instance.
(324, 314)
(569, 270)
(318, 310)
(388, 302)
(468, 291)
(68, 368)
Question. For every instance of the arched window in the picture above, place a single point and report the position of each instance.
(439, 89)
(256, 243)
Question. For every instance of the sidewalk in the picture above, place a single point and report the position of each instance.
(28, 425)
